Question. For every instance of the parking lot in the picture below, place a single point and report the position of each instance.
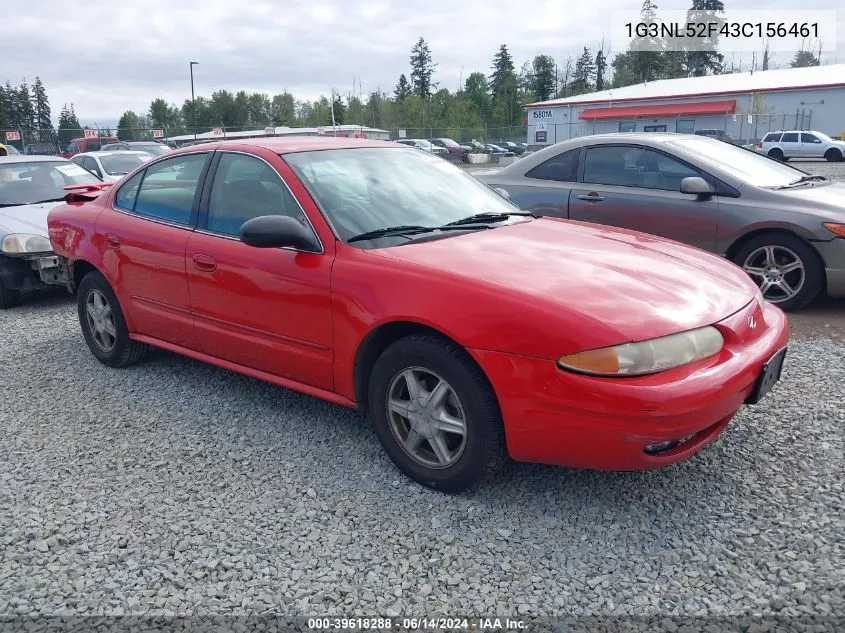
(177, 487)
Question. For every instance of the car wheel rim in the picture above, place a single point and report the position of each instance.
(100, 320)
(778, 271)
(426, 417)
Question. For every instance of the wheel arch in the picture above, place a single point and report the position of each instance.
(81, 267)
(380, 338)
(742, 240)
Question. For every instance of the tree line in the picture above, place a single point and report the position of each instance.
(483, 100)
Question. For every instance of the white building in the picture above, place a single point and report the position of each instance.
(744, 105)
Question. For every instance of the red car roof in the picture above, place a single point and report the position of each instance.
(297, 143)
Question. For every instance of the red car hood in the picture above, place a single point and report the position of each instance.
(642, 286)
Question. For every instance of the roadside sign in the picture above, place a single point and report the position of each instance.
(91, 133)
(270, 130)
(750, 120)
(402, 133)
(13, 136)
(217, 131)
(158, 133)
(321, 130)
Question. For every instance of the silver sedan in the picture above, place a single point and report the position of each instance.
(785, 227)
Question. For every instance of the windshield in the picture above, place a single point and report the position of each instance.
(749, 166)
(37, 181)
(449, 142)
(823, 136)
(424, 143)
(367, 189)
(120, 164)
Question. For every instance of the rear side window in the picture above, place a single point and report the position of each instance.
(789, 137)
(168, 189)
(772, 137)
(128, 193)
(562, 168)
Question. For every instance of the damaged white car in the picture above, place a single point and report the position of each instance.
(30, 186)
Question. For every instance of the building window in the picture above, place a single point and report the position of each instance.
(654, 128)
(685, 126)
(627, 126)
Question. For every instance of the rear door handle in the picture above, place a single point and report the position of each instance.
(205, 263)
(591, 197)
(112, 240)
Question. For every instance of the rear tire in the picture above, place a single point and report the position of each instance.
(776, 154)
(772, 256)
(833, 155)
(103, 324)
(8, 298)
(409, 418)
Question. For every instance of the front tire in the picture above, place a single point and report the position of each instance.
(436, 414)
(786, 268)
(103, 324)
(833, 155)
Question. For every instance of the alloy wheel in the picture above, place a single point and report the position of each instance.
(778, 271)
(426, 417)
(100, 319)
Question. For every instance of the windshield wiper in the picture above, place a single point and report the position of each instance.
(408, 229)
(488, 217)
(808, 178)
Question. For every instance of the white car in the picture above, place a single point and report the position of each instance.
(111, 166)
(786, 144)
(425, 145)
(30, 186)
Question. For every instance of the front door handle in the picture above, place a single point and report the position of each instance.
(205, 263)
(112, 240)
(591, 197)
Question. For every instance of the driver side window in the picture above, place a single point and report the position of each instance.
(635, 167)
(244, 188)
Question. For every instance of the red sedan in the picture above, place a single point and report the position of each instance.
(383, 278)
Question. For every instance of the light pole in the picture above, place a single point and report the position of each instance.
(193, 100)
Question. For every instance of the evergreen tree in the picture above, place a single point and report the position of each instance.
(803, 59)
(585, 72)
(502, 68)
(707, 60)
(542, 78)
(69, 126)
(41, 109)
(403, 88)
(601, 68)
(422, 69)
(6, 107)
(23, 109)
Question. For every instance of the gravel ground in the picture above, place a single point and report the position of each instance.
(173, 486)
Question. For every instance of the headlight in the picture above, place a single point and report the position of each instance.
(647, 357)
(20, 243)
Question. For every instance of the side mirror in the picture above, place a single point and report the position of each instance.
(502, 192)
(277, 231)
(696, 185)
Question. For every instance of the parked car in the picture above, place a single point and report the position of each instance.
(786, 144)
(9, 150)
(510, 146)
(785, 227)
(453, 147)
(423, 144)
(151, 147)
(42, 149)
(87, 144)
(388, 280)
(111, 166)
(719, 135)
(29, 187)
(497, 150)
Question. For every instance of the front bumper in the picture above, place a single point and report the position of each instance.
(833, 255)
(29, 273)
(555, 417)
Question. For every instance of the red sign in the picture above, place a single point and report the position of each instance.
(13, 136)
(217, 132)
(91, 134)
(158, 133)
(321, 130)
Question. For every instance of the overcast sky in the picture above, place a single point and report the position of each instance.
(106, 57)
